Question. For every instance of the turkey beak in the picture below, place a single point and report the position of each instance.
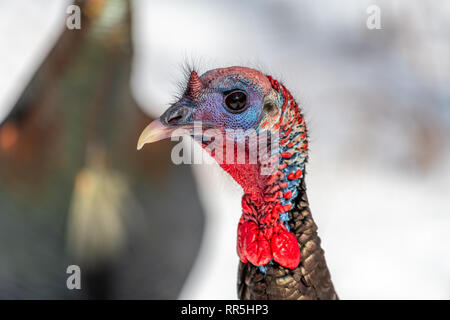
(155, 131)
(176, 117)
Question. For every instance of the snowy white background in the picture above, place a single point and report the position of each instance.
(378, 105)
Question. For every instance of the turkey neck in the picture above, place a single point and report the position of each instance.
(264, 232)
(294, 268)
(310, 280)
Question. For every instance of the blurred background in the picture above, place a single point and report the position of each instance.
(73, 189)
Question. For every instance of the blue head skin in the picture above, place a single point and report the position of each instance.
(205, 101)
(210, 103)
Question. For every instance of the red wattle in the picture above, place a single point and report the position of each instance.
(259, 246)
(258, 250)
(253, 246)
(242, 231)
(285, 249)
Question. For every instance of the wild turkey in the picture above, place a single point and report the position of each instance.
(277, 241)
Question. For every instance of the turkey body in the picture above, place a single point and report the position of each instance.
(311, 280)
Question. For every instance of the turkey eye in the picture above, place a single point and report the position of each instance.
(236, 101)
